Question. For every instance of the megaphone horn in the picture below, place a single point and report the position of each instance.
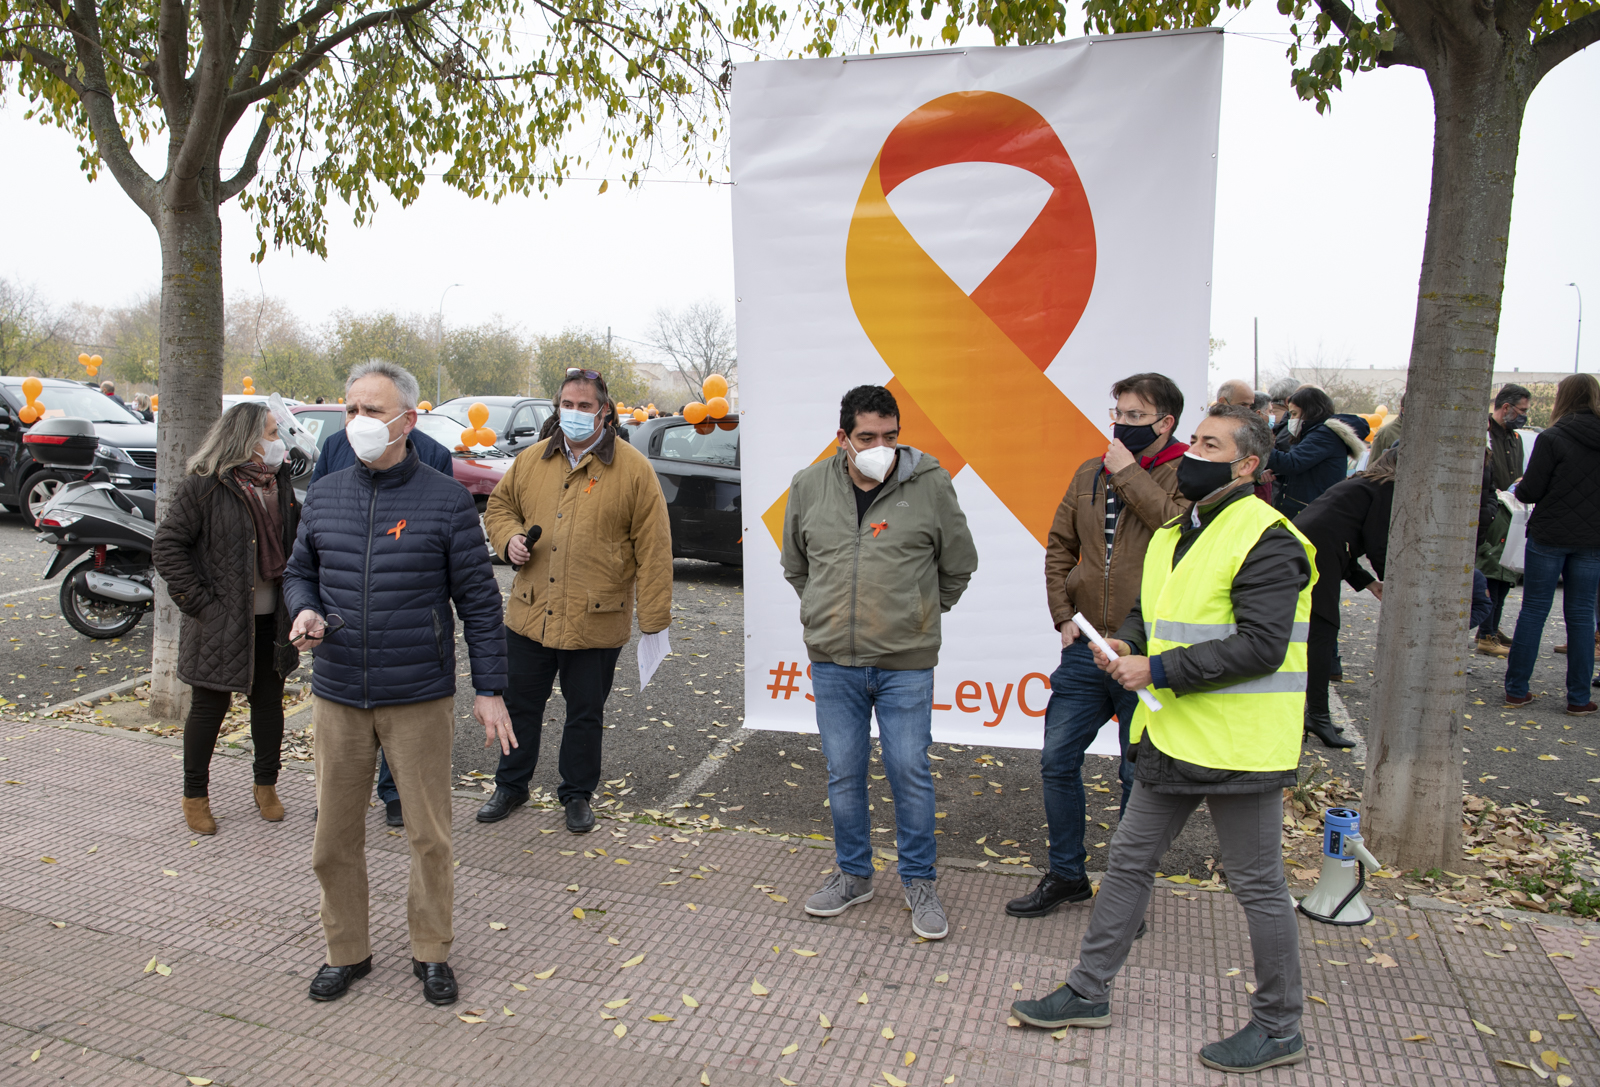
(1336, 899)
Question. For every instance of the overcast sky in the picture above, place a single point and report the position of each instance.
(1319, 230)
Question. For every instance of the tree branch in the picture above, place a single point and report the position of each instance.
(296, 72)
(172, 60)
(1556, 47)
(1350, 25)
(252, 158)
(203, 136)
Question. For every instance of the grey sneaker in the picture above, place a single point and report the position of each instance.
(927, 915)
(1063, 1008)
(838, 894)
(1252, 1049)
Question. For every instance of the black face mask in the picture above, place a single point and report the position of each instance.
(1516, 422)
(1134, 438)
(1198, 478)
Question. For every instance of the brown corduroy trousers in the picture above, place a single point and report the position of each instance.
(416, 739)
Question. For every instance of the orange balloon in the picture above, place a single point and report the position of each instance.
(31, 388)
(695, 412)
(705, 428)
(247, 379)
(155, 402)
(425, 406)
(639, 415)
(486, 437)
(469, 436)
(714, 386)
(97, 360)
(728, 424)
(83, 360)
(717, 407)
(341, 400)
(28, 413)
(477, 415)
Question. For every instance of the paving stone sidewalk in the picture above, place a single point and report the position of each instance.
(230, 924)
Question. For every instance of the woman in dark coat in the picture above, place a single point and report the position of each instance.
(222, 548)
(1318, 455)
(1562, 484)
(1350, 520)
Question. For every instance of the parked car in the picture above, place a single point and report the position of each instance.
(698, 466)
(515, 420)
(127, 443)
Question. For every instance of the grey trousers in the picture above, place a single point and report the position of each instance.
(1250, 830)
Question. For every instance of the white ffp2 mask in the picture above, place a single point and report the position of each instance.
(873, 463)
(369, 437)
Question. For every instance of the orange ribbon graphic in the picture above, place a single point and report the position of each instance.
(949, 350)
(395, 531)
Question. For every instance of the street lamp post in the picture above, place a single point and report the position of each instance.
(438, 362)
(1577, 348)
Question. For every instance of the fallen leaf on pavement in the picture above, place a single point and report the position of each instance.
(59, 924)
(887, 1033)
(792, 1047)
(615, 1004)
(1318, 999)
(577, 911)
(635, 961)
(1383, 960)
(910, 1058)
(758, 989)
(689, 1001)
(163, 969)
(1485, 1030)
(505, 1009)
(806, 954)
(941, 978)
(1013, 1021)
(199, 1081)
(613, 941)
(823, 1019)
(498, 926)
(1417, 1038)
(893, 1081)
(546, 975)
(862, 999)
(658, 1018)
(470, 1018)
(521, 988)
(619, 1030)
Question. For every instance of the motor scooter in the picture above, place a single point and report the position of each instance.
(105, 595)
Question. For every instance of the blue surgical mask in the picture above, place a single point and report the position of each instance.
(577, 425)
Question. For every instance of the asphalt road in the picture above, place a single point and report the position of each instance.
(681, 740)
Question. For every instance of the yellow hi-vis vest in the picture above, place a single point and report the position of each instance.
(1252, 725)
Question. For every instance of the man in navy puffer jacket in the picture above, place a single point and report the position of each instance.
(386, 546)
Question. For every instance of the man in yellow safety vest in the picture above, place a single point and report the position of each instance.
(1219, 633)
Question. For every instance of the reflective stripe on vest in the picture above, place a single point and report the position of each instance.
(1252, 725)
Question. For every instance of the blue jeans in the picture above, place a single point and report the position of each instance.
(1580, 567)
(386, 787)
(846, 699)
(1082, 698)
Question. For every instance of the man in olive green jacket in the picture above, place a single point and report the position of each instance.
(876, 545)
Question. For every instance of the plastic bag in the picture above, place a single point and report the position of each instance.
(1514, 556)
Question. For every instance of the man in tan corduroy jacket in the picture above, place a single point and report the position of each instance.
(604, 546)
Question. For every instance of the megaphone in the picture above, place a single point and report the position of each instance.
(1336, 899)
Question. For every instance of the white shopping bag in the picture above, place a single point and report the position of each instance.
(1515, 553)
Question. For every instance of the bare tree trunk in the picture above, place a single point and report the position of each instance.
(191, 396)
(1412, 795)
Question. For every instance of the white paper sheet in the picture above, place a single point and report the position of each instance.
(653, 649)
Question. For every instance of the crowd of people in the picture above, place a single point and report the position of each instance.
(1212, 567)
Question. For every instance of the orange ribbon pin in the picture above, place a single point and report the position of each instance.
(939, 341)
(592, 481)
(395, 531)
(877, 527)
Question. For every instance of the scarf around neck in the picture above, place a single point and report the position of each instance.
(260, 485)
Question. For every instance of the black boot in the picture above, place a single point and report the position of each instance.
(392, 814)
(1051, 892)
(580, 817)
(500, 805)
(1320, 725)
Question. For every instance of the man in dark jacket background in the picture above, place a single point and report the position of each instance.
(335, 456)
(1510, 414)
(383, 550)
(1093, 559)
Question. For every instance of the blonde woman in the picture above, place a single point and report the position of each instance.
(222, 548)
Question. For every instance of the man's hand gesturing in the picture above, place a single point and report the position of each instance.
(308, 630)
(490, 710)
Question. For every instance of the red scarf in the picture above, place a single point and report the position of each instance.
(260, 485)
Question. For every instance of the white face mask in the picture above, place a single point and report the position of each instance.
(1294, 426)
(873, 463)
(369, 437)
(273, 452)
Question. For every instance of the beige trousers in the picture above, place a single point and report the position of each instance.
(416, 739)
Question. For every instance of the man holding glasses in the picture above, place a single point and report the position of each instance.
(583, 516)
(384, 548)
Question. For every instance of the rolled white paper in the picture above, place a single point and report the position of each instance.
(1151, 702)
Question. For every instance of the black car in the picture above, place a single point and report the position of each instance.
(515, 420)
(698, 466)
(127, 443)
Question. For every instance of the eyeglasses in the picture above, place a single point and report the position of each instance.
(1134, 418)
(578, 371)
(333, 625)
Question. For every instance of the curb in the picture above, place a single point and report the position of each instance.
(95, 696)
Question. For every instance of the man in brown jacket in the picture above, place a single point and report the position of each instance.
(603, 537)
(1092, 565)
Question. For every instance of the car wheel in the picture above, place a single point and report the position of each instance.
(41, 488)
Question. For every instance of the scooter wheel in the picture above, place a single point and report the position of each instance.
(92, 616)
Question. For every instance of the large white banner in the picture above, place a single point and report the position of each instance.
(997, 235)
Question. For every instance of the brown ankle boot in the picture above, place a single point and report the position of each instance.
(197, 813)
(267, 800)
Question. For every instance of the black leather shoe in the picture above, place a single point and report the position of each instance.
(1320, 725)
(500, 805)
(438, 981)
(580, 817)
(1051, 892)
(331, 982)
(393, 816)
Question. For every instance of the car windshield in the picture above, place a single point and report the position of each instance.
(458, 408)
(684, 442)
(80, 402)
(444, 429)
